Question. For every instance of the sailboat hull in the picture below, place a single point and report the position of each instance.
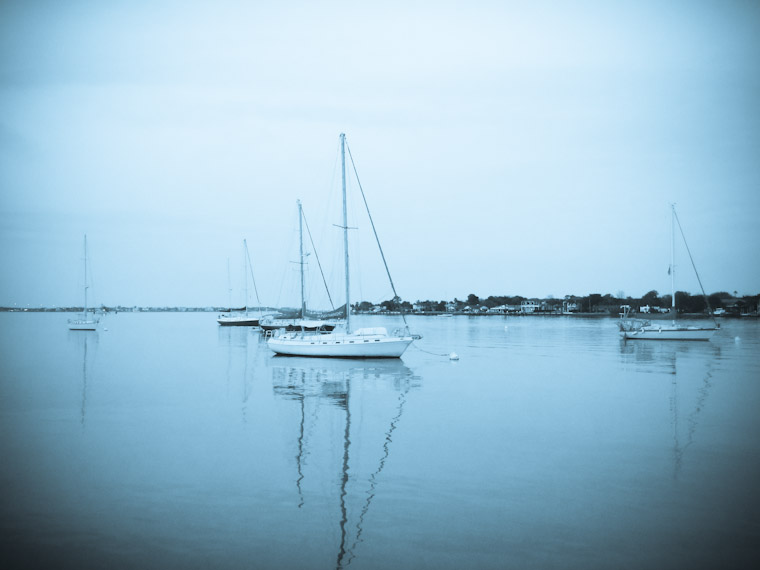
(83, 325)
(238, 321)
(340, 346)
(669, 333)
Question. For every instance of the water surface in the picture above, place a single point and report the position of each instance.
(166, 441)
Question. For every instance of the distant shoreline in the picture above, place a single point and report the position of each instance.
(124, 310)
(596, 315)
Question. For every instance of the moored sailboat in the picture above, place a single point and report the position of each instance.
(303, 319)
(639, 329)
(87, 321)
(632, 329)
(308, 321)
(374, 342)
(242, 319)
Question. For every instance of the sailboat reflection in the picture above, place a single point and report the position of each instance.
(87, 344)
(240, 343)
(363, 402)
(690, 370)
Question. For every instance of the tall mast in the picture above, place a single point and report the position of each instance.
(345, 228)
(229, 285)
(300, 241)
(249, 266)
(672, 259)
(245, 276)
(85, 274)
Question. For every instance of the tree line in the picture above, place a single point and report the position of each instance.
(592, 303)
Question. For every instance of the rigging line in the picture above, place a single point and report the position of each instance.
(316, 255)
(250, 267)
(344, 479)
(299, 456)
(372, 223)
(373, 478)
(707, 301)
(414, 345)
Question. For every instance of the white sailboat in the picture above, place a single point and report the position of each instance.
(243, 319)
(373, 342)
(637, 329)
(86, 321)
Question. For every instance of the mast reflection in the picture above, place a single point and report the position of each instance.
(87, 344)
(240, 343)
(690, 370)
(371, 395)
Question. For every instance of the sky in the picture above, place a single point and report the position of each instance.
(505, 148)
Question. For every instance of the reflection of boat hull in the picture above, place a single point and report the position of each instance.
(315, 369)
(669, 333)
(241, 321)
(341, 345)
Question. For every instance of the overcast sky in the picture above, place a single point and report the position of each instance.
(527, 148)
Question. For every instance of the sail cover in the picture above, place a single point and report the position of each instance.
(332, 314)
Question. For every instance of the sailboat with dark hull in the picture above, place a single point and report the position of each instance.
(304, 319)
(311, 321)
(243, 318)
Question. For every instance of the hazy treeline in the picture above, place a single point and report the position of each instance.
(594, 302)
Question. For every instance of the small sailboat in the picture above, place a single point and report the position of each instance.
(303, 319)
(309, 321)
(638, 329)
(242, 319)
(374, 342)
(87, 321)
(278, 321)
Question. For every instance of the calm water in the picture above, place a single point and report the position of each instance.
(168, 442)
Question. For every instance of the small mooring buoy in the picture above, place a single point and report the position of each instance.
(453, 356)
(737, 339)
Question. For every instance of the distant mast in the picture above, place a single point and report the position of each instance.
(345, 228)
(673, 260)
(85, 275)
(300, 241)
(245, 275)
(229, 285)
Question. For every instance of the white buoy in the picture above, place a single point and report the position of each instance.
(506, 328)
(453, 356)
(737, 339)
